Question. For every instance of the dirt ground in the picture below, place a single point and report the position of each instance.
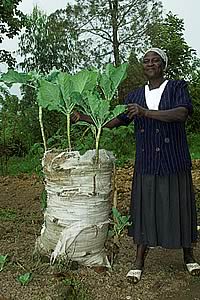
(21, 218)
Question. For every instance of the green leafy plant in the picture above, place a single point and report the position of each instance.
(97, 104)
(65, 93)
(111, 78)
(43, 199)
(90, 90)
(77, 291)
(72, 282)
(7, 214)
(15, 77)
(119, 223)
(30, 79)
(24, 279)
(3, 259)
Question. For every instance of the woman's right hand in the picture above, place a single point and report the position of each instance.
(75, 117)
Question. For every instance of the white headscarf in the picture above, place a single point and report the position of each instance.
(160, 52)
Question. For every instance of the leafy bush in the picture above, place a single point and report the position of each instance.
(194, 145)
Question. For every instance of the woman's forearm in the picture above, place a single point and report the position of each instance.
(178, 114)
(114, 123)
(86, 118)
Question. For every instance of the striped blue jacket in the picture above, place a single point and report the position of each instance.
(161, 147)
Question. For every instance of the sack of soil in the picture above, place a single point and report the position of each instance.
(78, 206)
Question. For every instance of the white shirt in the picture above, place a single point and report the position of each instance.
(153, 96)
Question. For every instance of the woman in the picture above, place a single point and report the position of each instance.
(163, 206)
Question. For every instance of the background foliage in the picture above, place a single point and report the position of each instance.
(84, 35)
(11, 20)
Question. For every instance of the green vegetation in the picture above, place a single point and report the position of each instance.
(120, 141)
(71, 71)
(24, 279)
(118, 224)
(53, 45)
(7, 215)
(3, 260)
(43, 199)
(77, 290)
(12, 21)
(194, 145)
(91, 90)
(18, 165)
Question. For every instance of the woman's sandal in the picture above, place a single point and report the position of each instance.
(134, 276)
(193, 269)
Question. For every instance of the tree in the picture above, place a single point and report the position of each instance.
(46, 44)
(11, 20)
(168, 34)
(19, 125)
(135, 76)
(194, 88)
(116, 26)
(49, 42)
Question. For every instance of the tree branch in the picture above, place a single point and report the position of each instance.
(124, 15)
(84, 24)
(95, 32)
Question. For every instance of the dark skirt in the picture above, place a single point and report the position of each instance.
(163, 211)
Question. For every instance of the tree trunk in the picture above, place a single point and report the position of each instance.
(115, 43)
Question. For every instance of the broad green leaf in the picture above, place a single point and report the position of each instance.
(25, 278)
(93, 104)
(117, 75)
(115, 212)
(14, 77)
(49, 95)
(85, 80)
(125, 219)
(103, 109)
(120, 222)
(119, 109)
(66, 85)
(105, 84)
(111, 79)
(80, 101)
(53, 75)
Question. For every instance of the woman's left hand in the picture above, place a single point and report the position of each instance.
(135, 110)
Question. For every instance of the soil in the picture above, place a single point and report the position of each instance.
(21, 219)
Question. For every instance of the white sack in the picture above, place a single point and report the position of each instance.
(77, 215)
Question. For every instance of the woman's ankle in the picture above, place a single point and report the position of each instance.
(188, 255)
(139, 264)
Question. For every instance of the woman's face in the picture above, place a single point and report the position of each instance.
(153, 65)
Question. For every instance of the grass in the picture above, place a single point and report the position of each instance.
(7, 215)
(20, 165)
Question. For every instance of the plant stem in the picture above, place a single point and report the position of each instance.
(68, 132)
(97, 144)
(114, 187)
(42, 128)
